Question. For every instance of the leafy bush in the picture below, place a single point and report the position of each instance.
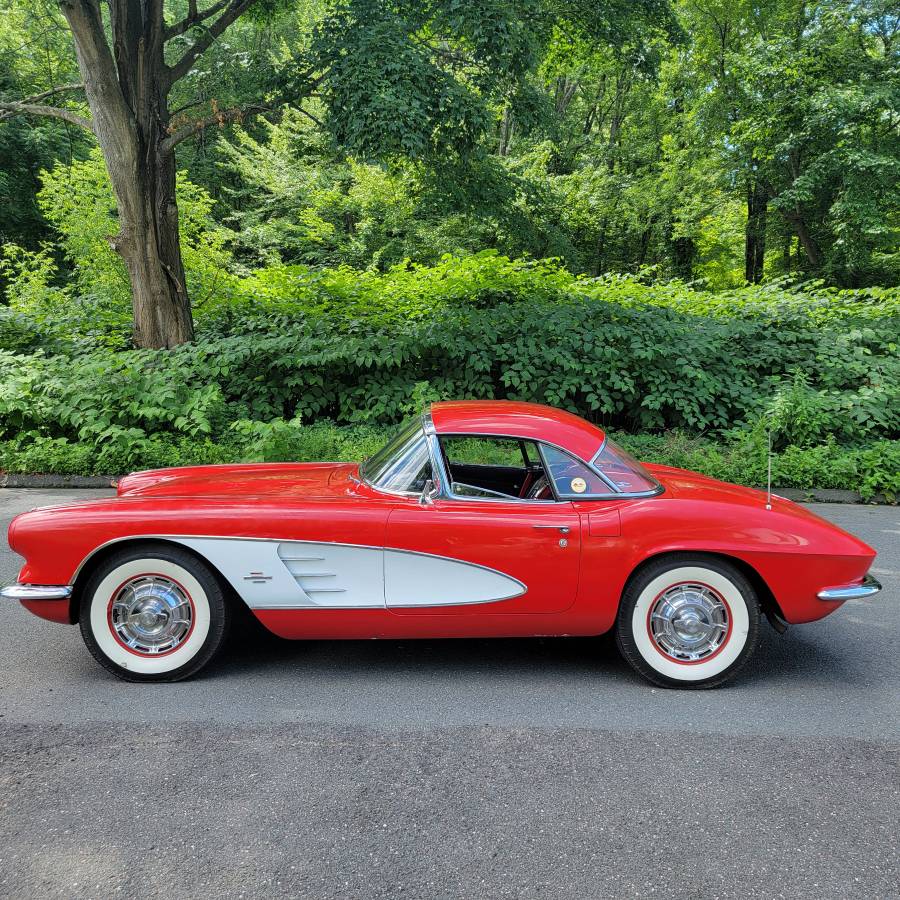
(636, 367)
(870, 469)
(290, 441)
(873, 469)
(34, 453)
(352, 345)
(289, 345)
(20, 333)
(105, 397)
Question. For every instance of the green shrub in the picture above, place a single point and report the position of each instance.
(34, 453)
(872, 469)
(106, 396)
(20, 333)
(353, 346)
(633, 367)
(878, 470)
(818, 368)
(281, 441)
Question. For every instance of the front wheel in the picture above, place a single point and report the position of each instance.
(688, 621)
(153, 613)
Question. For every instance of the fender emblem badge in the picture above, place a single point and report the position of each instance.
(257, 577)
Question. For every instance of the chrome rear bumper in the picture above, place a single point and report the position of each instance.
(36, 592)
(867, 588)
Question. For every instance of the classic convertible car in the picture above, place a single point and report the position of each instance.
(479, 519)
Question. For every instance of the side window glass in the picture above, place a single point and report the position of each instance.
(484, 451)
(572, 478)
(495, 468)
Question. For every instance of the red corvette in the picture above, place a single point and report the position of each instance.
(479, 519)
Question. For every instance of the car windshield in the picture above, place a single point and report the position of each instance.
(623, 470)
(403, 465)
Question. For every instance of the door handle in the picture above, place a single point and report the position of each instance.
(562, 529)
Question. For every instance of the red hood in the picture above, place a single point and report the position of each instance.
(244, 480)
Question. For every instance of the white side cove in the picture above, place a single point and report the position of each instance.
(419, 579)
(271, 574)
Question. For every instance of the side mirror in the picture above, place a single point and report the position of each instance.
(429, 492)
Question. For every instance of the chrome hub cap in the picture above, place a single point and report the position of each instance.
(151, 614)
(688, 622)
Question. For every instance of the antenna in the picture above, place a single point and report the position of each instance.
(769, 476)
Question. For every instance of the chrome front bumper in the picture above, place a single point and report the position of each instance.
(867, 588)
(36, 592)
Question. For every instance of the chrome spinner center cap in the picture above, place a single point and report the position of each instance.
(688, 622)
(151, 614)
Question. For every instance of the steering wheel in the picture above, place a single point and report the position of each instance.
(531, 475)
(541, 490)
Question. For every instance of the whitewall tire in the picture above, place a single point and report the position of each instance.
(153, 613)
(688, 621)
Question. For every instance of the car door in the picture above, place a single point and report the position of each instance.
(473, 557)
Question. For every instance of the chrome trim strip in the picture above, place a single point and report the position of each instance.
(437, 457)
(36, 592)
(438, 605)
(867, 588)
(218, 537)
(221, 537)
(543, 504)
(384, 609)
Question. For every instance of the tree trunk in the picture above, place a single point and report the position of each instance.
(126, 90)
(564, 90)
(683, 256)
(755, 232)
(646, 234)
(506, 131)
(599, 249)
(683, 252)
(148, 242)
(807, 241)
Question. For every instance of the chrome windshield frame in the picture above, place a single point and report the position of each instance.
(438, 463)
(440, 475)
(383, 490)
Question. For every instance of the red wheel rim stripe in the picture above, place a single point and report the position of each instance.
(690, 662)
(121, 643)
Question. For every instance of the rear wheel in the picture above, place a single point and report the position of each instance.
(688, 621)
(154, 613)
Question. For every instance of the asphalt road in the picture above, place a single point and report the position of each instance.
(470, 769)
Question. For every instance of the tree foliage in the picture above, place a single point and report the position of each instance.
(719, 140)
